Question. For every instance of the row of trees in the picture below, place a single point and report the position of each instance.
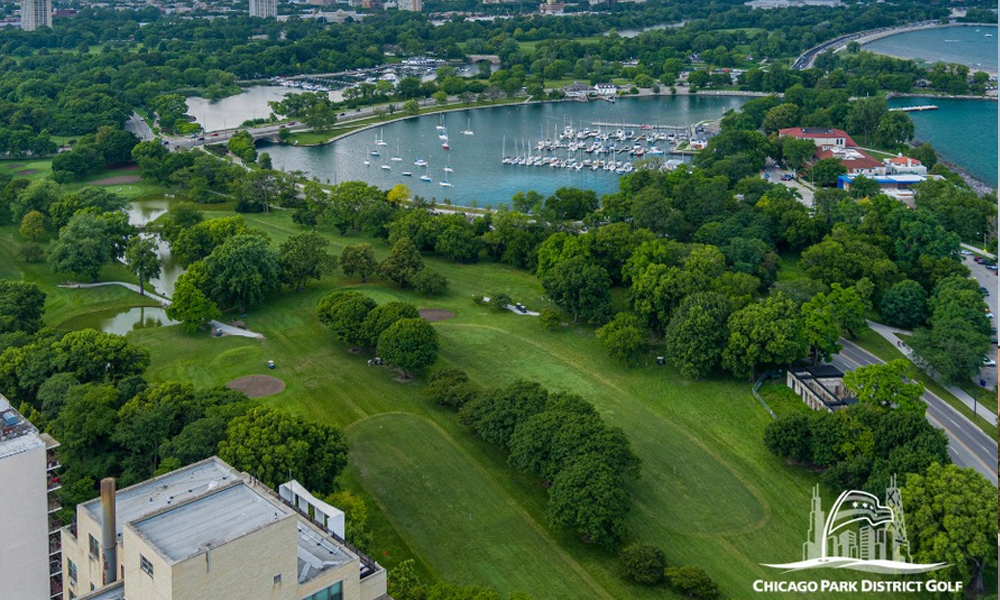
(557, 437)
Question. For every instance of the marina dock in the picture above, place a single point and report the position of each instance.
(920, 108)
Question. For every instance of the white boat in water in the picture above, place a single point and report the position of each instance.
(407, 174)
(397, 158)
(420, 162)
(449, 170)
(468, 128)
(379, 141)
(444, 183)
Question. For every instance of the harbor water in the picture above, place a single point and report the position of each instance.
(967, 45)
(473, 165)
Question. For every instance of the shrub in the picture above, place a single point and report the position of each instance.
(643, 563)
(693, 582)
(500, 302)
(550, 319)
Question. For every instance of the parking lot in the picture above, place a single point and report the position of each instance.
(987, 278)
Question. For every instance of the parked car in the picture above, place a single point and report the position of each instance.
(965, 252)
(984, 291)
(989, 362)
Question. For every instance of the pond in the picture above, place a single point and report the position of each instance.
(145, 210)
(120, 321)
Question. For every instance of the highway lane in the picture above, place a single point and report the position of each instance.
(968, 446)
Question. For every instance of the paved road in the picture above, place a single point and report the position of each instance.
(968, 446)
(774, 174)
(139, 128)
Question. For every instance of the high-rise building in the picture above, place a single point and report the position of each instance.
(30, 564)
(35, 14)
(411, 5)
(210, 531)
(265, 9)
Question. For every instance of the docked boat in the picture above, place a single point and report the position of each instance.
(468, 128)
(407, 174)
(420, 162)
(445, 145)
(448, 170)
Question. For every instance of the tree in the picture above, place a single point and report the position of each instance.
(790, 436)
(383, 317)
(179, 217)
(92, 355)
(451, 387)
(589, 497)
(780, 117)
(953, 349)
(819, 328)
(39, 195)
(241, 144)
(22, 305)
(399, 194)
(345, 314)
(580, 287)
(191, 306)
(143, 260)
(766, 332)
(243, 271)
(895, 128)
(797, 152)
(411, 107)
(273, 446)
(358, 259)
(32, 225)
(865, 115)
(826, 171)
(459, 243)
(887, 386)
(864, 187)
(495, 414)
(624, 337)
(403, 262)
(697, 333)
(303, 257)
(904, 305)
(643, 563)
(84, 426)
(83, 246)
(951, 515)
(429, 283)
(409, 344)
(549, 319)
(692, 582)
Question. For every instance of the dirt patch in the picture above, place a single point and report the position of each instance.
(27, 171)
(117, 180)
(257, 386)
(436, 314)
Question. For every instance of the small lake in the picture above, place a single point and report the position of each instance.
(214, 115)
(965, 45)
(145, 210)
(476, 171)
(121, 322)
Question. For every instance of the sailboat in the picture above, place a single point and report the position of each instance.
(407, 174)
(366, 161)
(444, 183)
(425, 177)
(448, 169)
(386, 166)
(468, 128)
(397, 158)
(380, 140)
(445, 144)
(420, 162)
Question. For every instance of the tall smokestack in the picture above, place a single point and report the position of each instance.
(109, 531)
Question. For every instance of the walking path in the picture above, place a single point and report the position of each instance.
(889, 333)
(979, 251)
(226, 329)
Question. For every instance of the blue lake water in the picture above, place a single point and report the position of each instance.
(965, 45)
(963, 132)
(477, 172)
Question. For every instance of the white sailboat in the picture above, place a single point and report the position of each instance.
(448, 169)
(420, 162)
(445, 183)
(468, 128)
(379, 139)
(366, 161)
(386, 166)
(425, 177)
(397, 158)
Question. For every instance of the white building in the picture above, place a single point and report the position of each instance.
(35, 14)
(411, 5)
(265, 9)
(606, 89)
(29, 556)
(208, 531)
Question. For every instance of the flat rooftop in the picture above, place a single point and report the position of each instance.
(212, 520)
(317, 553)
(114, 591)
(17, 434)
(151, 496)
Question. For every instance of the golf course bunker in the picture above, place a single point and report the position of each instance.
(118, 180)
(257, 386)
(436, 314)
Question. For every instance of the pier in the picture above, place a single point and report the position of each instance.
(920, 108)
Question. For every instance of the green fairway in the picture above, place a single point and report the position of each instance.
(710, 494)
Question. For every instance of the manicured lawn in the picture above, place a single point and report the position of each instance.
(709, 495)
(782, 400)
(29, 168)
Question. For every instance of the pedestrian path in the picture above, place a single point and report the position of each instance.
(165, 302)
(889, 333)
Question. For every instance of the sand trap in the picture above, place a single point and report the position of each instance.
(27, 171)
(436, 314)
(257, 386)
(117, 180)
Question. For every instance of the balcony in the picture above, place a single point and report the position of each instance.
(55, 546)
(53, 483)
(53, 464)
(55, 588)
(54, 504)
(55, 568)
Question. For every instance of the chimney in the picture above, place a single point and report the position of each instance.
(109, 531)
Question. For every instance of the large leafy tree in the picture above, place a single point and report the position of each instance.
(887, 385)
(243, 271)
(767, 332)
(83, 247)
(496, 414)
(274, 445)
(22, 305)
(383, 317)
(403, 262)
(589, 497)
(819, 328)
(951, 517)
(142, 259)
(797, 152)
(84, 428)
(358, 259)
(92, 355)
(303, 257)
(580, 287)
(904, 305)
(643, 563)
(409, 344)
(624, 337)
(697, 333)
(191, 306)
(345, 313)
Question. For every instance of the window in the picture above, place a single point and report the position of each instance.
(72, 571)
(277, 579)
(145, 565)
(95, 548)
(334, 592)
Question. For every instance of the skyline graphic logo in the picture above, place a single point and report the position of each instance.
(860, 533)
